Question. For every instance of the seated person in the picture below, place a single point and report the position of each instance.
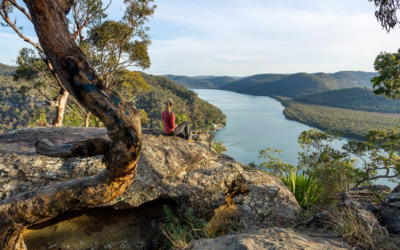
(182, 130)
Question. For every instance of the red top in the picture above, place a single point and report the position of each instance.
(169, 122)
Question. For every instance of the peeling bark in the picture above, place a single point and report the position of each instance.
(121, 119)
(13, 238)
(60, 101)
(87, 116)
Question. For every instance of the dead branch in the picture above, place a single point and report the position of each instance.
(84, 148)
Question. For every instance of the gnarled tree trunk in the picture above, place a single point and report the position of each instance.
(121, 119)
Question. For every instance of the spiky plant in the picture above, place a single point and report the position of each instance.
(304, 187)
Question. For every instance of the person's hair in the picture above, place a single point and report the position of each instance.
(168, 105)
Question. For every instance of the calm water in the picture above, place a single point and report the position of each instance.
(255, 123)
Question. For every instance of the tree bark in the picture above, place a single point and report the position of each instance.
(121, 119)
(87, 116)
(13, 239)
(60, 101)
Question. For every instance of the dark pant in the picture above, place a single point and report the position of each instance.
(182, 130)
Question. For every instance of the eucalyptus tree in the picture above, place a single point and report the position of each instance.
(387, 64)
(86, 22)
(90, 11)
(121, 119)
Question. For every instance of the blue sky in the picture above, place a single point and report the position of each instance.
(246, 37)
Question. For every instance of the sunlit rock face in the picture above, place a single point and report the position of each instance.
(171, 171)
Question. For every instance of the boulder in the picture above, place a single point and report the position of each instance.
(272, 238)
(170, 169)
(367, 194)
(325, 219)
(389, 214)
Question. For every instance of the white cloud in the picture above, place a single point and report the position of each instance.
(249, 37)
(236, 37)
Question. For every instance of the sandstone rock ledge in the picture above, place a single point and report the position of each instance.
(272, 238)
(170, 171)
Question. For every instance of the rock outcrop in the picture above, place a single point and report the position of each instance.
(171, 171)
(272, 238)
(389, 214)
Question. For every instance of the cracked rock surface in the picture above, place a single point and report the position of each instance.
(170, 169)
(272, 238)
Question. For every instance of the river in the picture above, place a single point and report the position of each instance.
(255, 123)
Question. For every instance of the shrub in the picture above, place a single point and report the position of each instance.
(181, 118)
(144, 118)
(306, 190)
(218, 147)
(333, 168)
(37, 118)
(272, 164)
(356, 232)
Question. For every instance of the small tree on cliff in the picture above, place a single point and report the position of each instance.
(122, 120)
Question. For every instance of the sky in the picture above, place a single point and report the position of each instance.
(247, 37)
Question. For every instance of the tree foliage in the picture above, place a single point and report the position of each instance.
(388, 81)
(110, 46)
(114, 45)
(33, 74)
(273, 163)
(386, 13)
(337, 168)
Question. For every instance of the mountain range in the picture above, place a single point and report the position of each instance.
(287, 85)
(201, 81)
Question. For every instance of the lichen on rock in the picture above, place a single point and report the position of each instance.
(188, 173)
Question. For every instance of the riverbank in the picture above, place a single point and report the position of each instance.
(351, 123)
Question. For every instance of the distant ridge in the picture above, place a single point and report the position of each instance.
(201, 81)
(252, 84)
(7, 70)
(190, 82)
(300, 84)
(353, 98)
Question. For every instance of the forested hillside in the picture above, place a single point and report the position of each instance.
(353, 98)
(351, 123)
(252, 84)
(349, 79)
(6, 70)
(201, 81)
(190, 82)
(18, 110)
(221, 80)
(186, 101)
(299, 84)
(295, 85)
